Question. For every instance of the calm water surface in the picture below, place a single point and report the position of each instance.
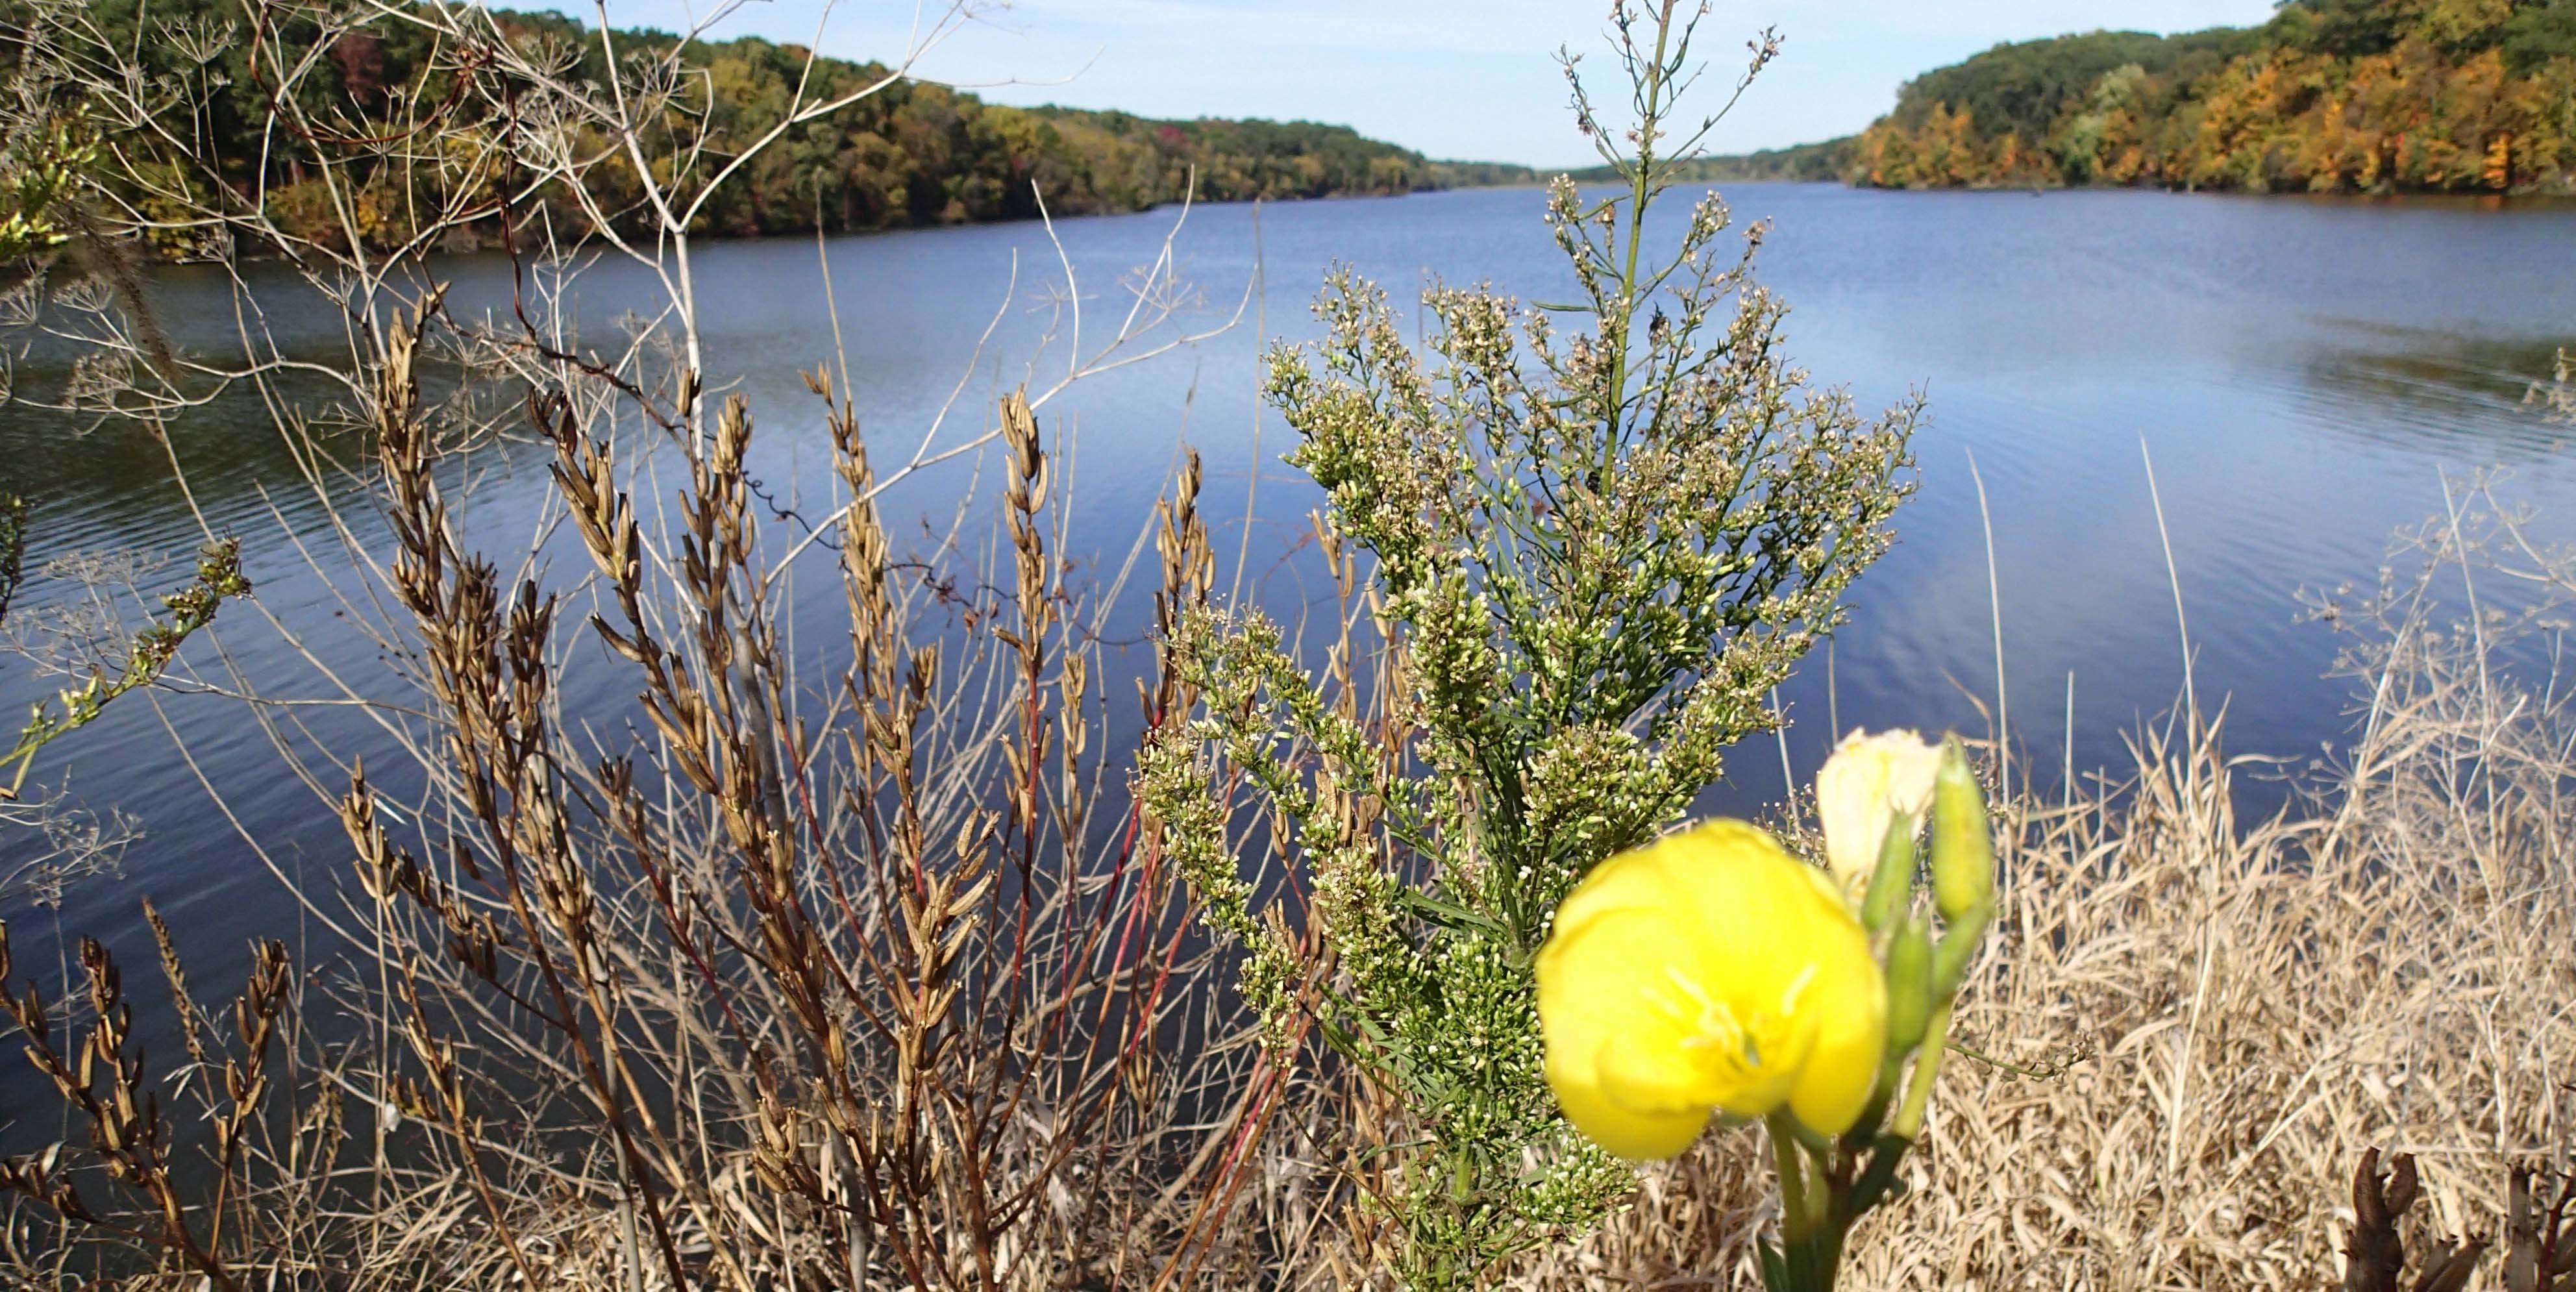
(2304, 374)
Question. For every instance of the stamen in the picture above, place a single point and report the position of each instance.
(1797, 988)
(1717, 1024)
(1690, 987)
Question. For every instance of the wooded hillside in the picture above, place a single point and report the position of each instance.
(2330, 95)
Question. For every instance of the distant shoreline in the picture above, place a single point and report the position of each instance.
(1717, 171)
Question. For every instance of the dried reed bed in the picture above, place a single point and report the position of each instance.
(2250, 1006)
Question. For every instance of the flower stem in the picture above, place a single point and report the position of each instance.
(1927, 1065)
(1795, 1218)
(1809, 1243)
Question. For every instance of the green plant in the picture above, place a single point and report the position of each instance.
(1592, 554)
(37, 180)
(149, 654)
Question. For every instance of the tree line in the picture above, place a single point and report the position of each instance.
(2327, 96)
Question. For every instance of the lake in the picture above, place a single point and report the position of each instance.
(2304, 373)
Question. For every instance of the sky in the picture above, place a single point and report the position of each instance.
(1464, 79)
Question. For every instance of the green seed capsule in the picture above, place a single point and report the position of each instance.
(1909, 984)
(1963, 854)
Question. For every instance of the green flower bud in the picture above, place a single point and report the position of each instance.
(1891, 886)
(1958, 946)
(1963, 854)
(1909, 985)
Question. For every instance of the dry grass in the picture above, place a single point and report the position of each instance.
(840, 968)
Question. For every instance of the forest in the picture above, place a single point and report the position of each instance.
(2327, 96)
(915, 153)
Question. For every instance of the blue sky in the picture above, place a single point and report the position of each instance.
(1453, 78)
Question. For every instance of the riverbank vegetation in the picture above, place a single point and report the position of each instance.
(889, 964)
(2328, 96)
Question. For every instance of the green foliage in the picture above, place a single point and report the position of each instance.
(1594, 551)
(40, 171)
(191, 608)
(2536, 36)
(2024, 87)
(2328, 95)
(1238, 160)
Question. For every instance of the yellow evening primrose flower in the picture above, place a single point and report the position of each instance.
(1710, 971)
(1869, 782)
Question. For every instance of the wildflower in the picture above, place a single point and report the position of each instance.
(1869, 783)
(1710, 971)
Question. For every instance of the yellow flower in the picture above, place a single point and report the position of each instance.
(1869, 782)
(1708, 971)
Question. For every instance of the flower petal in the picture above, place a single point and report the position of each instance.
(1869, 783)
(1612, 1013)
(1637, 1136)
(1710, 970)
(1784, 946)
(1848, 1002)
